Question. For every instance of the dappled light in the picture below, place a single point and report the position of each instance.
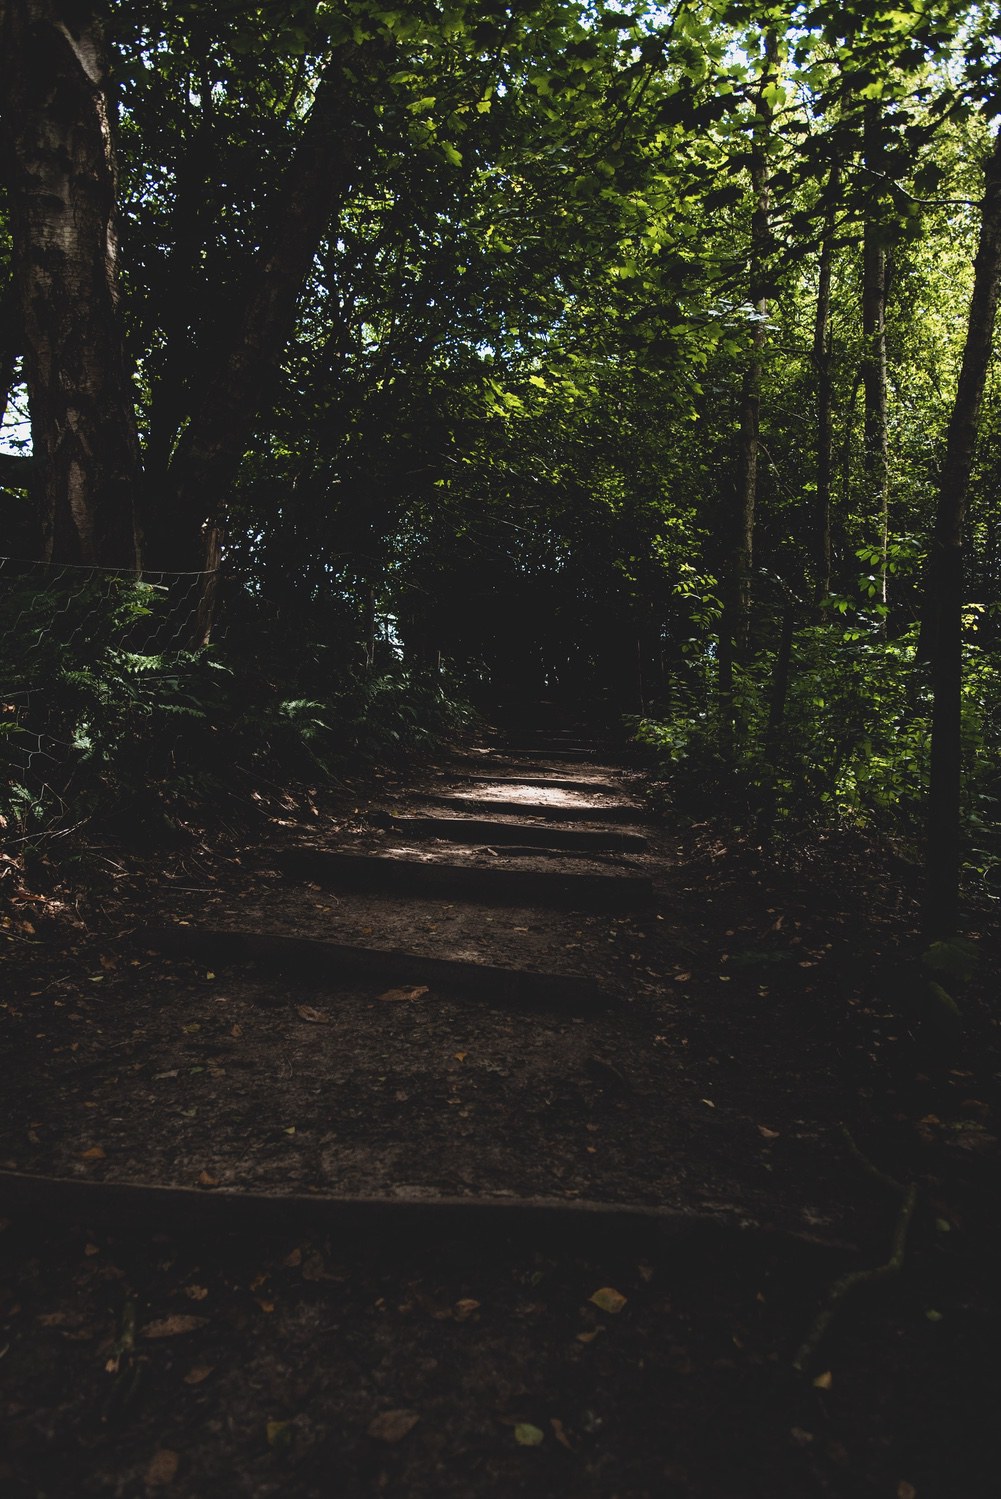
(500, 704)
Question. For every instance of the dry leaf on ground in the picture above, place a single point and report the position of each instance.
(608, 1299)
(414, 991)
(163, 1466)
(392, 1426)
(560, 1434)
(170, 1327)
(315, 1017)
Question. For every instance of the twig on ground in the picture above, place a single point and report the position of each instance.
(842, 1289)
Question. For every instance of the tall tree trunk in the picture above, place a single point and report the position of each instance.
(873, 367)
(10, 345)
(188, 529)
(945, 579)
(736, 615)
(62, 206)
(823, 363)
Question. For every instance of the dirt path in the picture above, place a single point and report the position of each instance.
(442, 1151)
(447, 997)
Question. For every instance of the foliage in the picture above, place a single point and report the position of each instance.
(106, 722)
(506, 421)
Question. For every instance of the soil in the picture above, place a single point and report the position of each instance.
(408, 1187)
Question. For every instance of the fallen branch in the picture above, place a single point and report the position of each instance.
(848, 1284)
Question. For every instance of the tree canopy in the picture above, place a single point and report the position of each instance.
(630, 353)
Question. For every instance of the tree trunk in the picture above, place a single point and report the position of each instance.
(823, 366)
(736, 616)
(10, 346)
(873, 367)
(62, 207)
(188, 529)
(941, 912)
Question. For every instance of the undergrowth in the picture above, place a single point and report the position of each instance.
(849, 744)
(108, 726)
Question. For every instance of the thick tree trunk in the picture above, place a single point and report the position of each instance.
(873, 366)
(945, 578)
(62, 206)
(188, 527)
(736, 615)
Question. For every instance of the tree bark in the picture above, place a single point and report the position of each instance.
(873, 365)
(823, 363)
(736, 614)
(10, 346)
(189, 527)
(945, 576)
(62, 206)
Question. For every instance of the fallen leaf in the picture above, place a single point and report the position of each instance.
(465, 1308)
(90, 1250)
(199, 1373)
(559, 1433)
(315, 1017)
(766, 1133)
(589, 1336)
(708, 1103)
(293, 1260)
(392, 1426)
(314, 1269)
(95, 1153)
(682, 978)
(527, 1435)
(415, 991)
(608, 1299)
(195, 1293)
(823, 1381)
(171, 1327)
(210, 974)
(163, 1466)
(205, 1180)
(460, 1056)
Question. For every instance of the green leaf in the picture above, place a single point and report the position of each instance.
(527, 1435)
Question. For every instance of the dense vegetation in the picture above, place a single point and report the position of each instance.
(633, 355)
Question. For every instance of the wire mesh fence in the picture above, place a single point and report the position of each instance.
(88, 658)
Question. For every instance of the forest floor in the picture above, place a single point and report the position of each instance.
(370, 1154)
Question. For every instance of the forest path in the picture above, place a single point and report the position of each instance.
(473, 989)
(367, 1191)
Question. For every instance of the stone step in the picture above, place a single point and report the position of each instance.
(382, 872)
(621, 812)
(341, 962)
(544, 783)
(493, 832)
